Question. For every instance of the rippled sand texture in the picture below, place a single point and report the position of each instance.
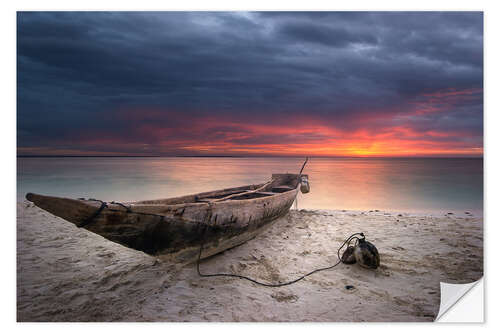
(69, 274)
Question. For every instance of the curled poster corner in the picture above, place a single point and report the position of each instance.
(461, 302)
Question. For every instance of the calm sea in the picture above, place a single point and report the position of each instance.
(402, 184)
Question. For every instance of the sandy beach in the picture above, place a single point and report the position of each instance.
(69, 274)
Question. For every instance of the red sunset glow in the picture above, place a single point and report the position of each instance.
(377, 133)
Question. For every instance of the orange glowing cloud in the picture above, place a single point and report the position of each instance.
(367, 133)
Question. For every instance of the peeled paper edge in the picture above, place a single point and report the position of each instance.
(452, 296)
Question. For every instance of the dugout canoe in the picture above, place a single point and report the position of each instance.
(175, 228)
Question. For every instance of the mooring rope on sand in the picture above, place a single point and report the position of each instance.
(347, 241)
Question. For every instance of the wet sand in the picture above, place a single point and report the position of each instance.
(69, 274)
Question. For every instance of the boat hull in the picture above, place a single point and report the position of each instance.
(176, 229)
(244, 223)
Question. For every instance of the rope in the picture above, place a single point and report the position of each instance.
(347, 241)
(105, 205)
(93, 216)
(120, 204)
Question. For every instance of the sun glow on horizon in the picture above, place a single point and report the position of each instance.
(377, 133)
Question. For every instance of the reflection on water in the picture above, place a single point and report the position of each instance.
(336, 183)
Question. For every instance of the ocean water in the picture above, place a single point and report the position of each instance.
(388, 184)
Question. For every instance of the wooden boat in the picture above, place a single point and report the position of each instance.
(176, 228)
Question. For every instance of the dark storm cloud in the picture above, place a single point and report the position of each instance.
(323, 34)
(81, 73)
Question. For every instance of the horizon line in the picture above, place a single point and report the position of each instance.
(240, 156)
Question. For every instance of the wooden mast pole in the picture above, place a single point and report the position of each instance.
(303, 165)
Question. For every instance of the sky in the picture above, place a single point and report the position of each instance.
(384, 84)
